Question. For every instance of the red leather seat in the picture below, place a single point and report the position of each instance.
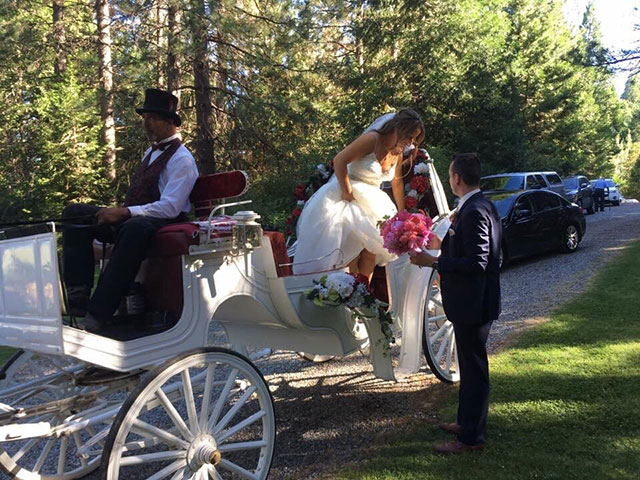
(280, 255)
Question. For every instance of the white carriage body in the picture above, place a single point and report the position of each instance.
(240, 290)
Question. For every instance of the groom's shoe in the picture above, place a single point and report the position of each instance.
(454, 447)
(452, 428)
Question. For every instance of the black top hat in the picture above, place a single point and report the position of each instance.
(161, 102)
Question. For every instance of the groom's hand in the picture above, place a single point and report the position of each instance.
(422, 259)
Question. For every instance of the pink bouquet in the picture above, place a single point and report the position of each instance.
(406, 232)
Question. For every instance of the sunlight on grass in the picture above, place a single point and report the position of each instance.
(565, 398)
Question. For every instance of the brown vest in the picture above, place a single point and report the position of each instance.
(144, 186)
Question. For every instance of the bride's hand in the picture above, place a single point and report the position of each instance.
(348, 196)
(435, 243)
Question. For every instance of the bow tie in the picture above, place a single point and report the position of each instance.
(159, 146)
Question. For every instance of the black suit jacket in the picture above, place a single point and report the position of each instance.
(470, 264)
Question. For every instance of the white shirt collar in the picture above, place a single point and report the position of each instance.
(168, 139)
(466, 197)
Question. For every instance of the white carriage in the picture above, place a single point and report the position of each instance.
(179, 408)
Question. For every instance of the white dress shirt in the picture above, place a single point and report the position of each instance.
(466, 197)
(175, 184)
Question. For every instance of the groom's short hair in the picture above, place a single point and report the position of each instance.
(467, 165)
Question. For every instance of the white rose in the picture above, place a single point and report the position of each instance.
(421, 169)
(413, 194)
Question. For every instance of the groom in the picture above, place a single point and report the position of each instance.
(469, 268)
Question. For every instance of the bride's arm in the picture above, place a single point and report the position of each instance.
(397, 186)
(357, 149)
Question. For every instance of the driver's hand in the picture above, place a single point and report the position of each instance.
(112, 215)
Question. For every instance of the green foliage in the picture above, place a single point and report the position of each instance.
(293, 82)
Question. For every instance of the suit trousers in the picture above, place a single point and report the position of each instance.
(473, 398)
(131, 239)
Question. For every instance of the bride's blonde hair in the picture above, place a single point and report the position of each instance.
(406, 121)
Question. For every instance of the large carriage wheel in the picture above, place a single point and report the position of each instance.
(206, 414)
(31, 380)
(438, 339)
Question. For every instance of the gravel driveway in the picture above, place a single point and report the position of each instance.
(329, 414)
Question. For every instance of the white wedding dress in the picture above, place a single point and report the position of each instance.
(332, 232)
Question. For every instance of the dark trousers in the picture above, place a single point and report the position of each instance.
(473, 399)
(131, 239)
(598, 198)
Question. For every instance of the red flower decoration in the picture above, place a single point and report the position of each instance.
(419, 184)
(410, 202)
(360, 278)
(296, 212)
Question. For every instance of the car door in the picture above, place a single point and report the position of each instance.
(548, 212)
(522, 231)
(555, 183)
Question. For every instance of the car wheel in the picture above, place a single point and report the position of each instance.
(503, 257)
(617, 204)
(571, 238)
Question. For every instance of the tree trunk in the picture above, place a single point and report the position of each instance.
(59, 38)
(174, 18)
(160, 17)
(106, 87)
(204, 133)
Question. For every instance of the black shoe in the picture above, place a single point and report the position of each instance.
(78, 300)
(92, 324)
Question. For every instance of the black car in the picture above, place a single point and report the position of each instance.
(579, 191)
(537, 221)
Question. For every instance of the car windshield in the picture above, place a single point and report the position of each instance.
(571, 183)
(502, 201)
(610, 183)
(503, 182)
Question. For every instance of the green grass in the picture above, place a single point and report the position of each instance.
(565, 400)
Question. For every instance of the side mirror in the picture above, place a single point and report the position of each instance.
(522, 213)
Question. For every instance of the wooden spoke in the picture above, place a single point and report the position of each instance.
(443, 328)
(78, 441)
(176, 467)
(44, 454)
(232, 447)
(174, 415)
(238, 470)
(232, 412)
(204, 409)
(147, 429)
(222, 399)
(244, 424)
(24, 449)
(62, 456)
(154, 457)
(189, 400)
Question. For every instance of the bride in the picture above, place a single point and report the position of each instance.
(338, 224)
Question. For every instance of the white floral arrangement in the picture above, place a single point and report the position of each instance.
(352, 291)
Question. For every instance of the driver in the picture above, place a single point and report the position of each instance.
(158, 195)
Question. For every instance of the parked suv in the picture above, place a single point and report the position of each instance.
(579, 191)
(523, 181)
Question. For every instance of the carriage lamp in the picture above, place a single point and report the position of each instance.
(246, 233)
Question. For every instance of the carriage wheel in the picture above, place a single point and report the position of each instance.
(438, 339)
(31, 379)
(206, 414)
